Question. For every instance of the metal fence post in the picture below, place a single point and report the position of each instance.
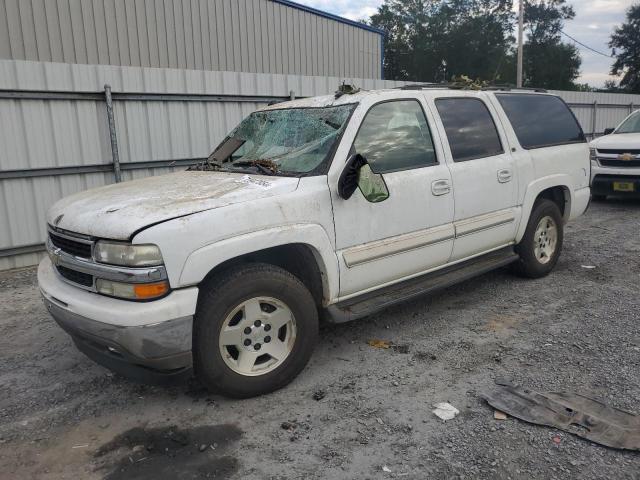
(630, 108)
(112, 134)
(594, 120)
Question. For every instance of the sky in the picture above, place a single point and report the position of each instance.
(592, 25)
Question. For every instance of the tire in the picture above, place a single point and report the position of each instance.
(535, 260)
(242, 346)
(598, 198)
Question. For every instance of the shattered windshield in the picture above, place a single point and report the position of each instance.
(288, 141)
(630, 125)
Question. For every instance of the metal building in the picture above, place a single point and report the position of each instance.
(183, 73)
(258, 36)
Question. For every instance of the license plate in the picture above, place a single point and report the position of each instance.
(623, 187)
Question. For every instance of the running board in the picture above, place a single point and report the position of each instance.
(379, 299)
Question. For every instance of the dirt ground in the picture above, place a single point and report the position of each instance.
(356, 412)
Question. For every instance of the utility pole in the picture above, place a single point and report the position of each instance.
(520, 49)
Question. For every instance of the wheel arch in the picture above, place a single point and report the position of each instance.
(304, 251)
(555, 189)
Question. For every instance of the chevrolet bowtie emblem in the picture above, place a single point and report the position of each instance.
(626, 157)
(55, 256)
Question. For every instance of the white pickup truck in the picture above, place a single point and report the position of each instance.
(331, 207)
(615, 160)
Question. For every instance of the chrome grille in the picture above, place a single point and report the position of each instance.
(73, 276)
(71, 256)
(621, 158)
(610, 162)
(76, 247)
(611, 151)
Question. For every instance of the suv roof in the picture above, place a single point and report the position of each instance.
(346, 98)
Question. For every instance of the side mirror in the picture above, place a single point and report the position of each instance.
(358, 174)
(609, 131)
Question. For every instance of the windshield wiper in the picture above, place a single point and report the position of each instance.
(266, 167)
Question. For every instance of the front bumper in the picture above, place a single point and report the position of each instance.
(148, 342)
(602, 179)
(603, 184)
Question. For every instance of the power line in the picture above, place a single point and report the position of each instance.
(586, 46)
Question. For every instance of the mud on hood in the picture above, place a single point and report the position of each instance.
(118, 211)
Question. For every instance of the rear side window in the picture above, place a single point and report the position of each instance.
(470, 128)
(541, 120)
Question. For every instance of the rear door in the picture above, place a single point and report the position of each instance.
(411, 231)
(483, 173)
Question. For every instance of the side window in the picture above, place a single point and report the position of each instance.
(395, 136)
(540, 120)
(470, 128)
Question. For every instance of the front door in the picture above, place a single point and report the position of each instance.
(484, 183)
(409, 232)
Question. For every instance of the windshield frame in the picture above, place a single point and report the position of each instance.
(633, 116)
(323, 167)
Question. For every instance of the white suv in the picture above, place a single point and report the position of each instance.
(338, 205)
(615, 160)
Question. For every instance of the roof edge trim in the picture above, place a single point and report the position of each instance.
(330, 16)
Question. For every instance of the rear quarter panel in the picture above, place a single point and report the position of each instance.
(538, 169)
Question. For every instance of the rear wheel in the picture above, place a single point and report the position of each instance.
(254, 330)
(541, 244)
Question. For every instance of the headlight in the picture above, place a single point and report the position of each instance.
(593, 156)
(127, 255)
(132, 291)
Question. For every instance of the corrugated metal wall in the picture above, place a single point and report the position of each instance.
(222, 35)
(597, 111)
(63, 133)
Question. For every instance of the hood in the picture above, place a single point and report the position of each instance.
(118, 211)
(618, 141)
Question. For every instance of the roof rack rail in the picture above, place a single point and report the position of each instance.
(458, 86)
(420, 86)
(511, 87)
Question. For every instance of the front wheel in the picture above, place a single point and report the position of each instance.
(254, 330)
(541, 244)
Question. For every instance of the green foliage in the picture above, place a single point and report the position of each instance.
(552, 65)
(625, 43)
(583, 87)
(464, 82)
(544, 19)
(475, 38)
(611, 86)
(472, 36)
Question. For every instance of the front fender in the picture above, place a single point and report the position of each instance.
(538, 186)
(205, 259)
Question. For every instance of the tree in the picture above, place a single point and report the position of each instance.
(611, 86)
(475, 39)
(471, 36)
(544, 20)
(553, 65)
(625, 43)
(548, 62)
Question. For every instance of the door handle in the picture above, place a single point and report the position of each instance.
(504, 175)
(440, 187)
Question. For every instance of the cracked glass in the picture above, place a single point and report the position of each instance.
(288, 141)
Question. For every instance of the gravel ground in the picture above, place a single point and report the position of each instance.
(356, 411)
